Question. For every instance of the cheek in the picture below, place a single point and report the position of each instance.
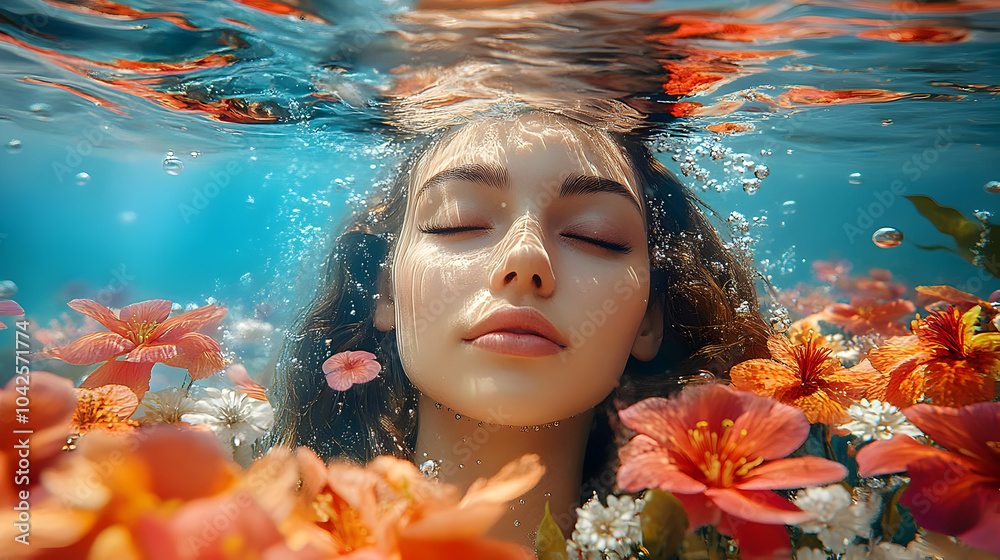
(429, 286)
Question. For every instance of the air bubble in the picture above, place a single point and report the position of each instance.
(855, 178)
(751, 186)
(82, 178)
(765, 152)
(8, 289)
(886, 122)
(887, 237)
(41, 110)
(172, 165)
(14, 146)
(761, 171)
(788, 207)
(992, 187)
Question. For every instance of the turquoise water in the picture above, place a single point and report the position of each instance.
(246, 222)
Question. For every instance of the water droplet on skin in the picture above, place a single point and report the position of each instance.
(14, 146)
(547, 494)
(517, 523)
(172, 165)
(479, 462)
(855, 178)
(82, 178)
(761, 171)
(992, 187)
(458, 417)
(887, 237)
(461, 466)
(521, 502)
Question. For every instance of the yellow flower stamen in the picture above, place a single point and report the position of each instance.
(717, 461)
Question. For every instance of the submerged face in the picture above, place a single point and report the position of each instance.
(521, 275)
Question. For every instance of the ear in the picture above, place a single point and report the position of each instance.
(650, 335)
(385, 306)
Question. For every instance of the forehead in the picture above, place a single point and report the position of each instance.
(531, 146)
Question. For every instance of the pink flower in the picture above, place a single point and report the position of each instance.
(720, 452)
(347, 368)
(10, 307)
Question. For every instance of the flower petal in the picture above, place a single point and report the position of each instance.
(647, 464)
(150, 311)
(758, 506)
(781, 351)
(513, 480)
(944, 496)
(957, 382)
(650, 417)
(153, 353)
(797, 472)
(761, 542)
(237, 373)
(894, 455)
(99, 313)
(204, 318)
(773, 429)
(764, 377)
(348, 368)
(91, 348)
(966, 430)
(10, 307)
(133, 375)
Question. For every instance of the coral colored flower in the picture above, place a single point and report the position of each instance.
(347, 368)
(107, 407)
(937, 298)
(144, 335)
(945, 361)
(10, 307)
(830, 271)
(805, 376)
(720, 452)
(955, 490)
(877, 285)
(863, 316)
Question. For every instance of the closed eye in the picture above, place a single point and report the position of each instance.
(447, 230)
(609, 245)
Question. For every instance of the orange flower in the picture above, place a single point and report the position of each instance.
(348, 368)
(804, 376)
(10, 307)
(865, 315)
(944, 361)
(938, 298)
(720, 452)
(108, 407)
(955, 490)
(144, 335)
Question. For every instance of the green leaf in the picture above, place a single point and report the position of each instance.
(550, 544)
(664, 523)
(949, 221)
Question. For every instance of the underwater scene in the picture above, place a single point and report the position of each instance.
(679, 280)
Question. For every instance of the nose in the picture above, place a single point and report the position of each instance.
(521, 261)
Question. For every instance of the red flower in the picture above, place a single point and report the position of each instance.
(144, 335)
(347, 368)
(865, 315)
(955, 490)
(10, 307)
(720, 452)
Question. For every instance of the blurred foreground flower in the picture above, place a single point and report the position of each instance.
(10, 307)
(945, 361)
(349, 368)
(144, 335)
(955, 490)
(805, 376)
(720, 452)
(108, 407)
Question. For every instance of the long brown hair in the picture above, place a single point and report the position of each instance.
(707, 295)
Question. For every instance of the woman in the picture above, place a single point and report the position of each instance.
(527, 276)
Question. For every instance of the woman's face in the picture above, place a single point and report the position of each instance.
(521, 275)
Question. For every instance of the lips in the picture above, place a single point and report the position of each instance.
(517, 331)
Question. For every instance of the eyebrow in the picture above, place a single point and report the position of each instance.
(495, 176)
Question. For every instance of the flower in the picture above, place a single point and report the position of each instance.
(838, 519)
(235, 418)
(877, 285)
(614, 528)
(144, 335)
(944, 361)
(107, 407)
(804, 376)
(955, 490)
(347, 368)
(167, 406)
(10, 307)
(720, 452)
(877, 420)
(938, 298)
(863, 316)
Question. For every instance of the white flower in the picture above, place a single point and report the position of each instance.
(877, 420)
(838, 520)
(235, 418)
(612, 529)
(167, 406)
(576, 553)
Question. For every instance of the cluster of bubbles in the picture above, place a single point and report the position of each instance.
(740, 170)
